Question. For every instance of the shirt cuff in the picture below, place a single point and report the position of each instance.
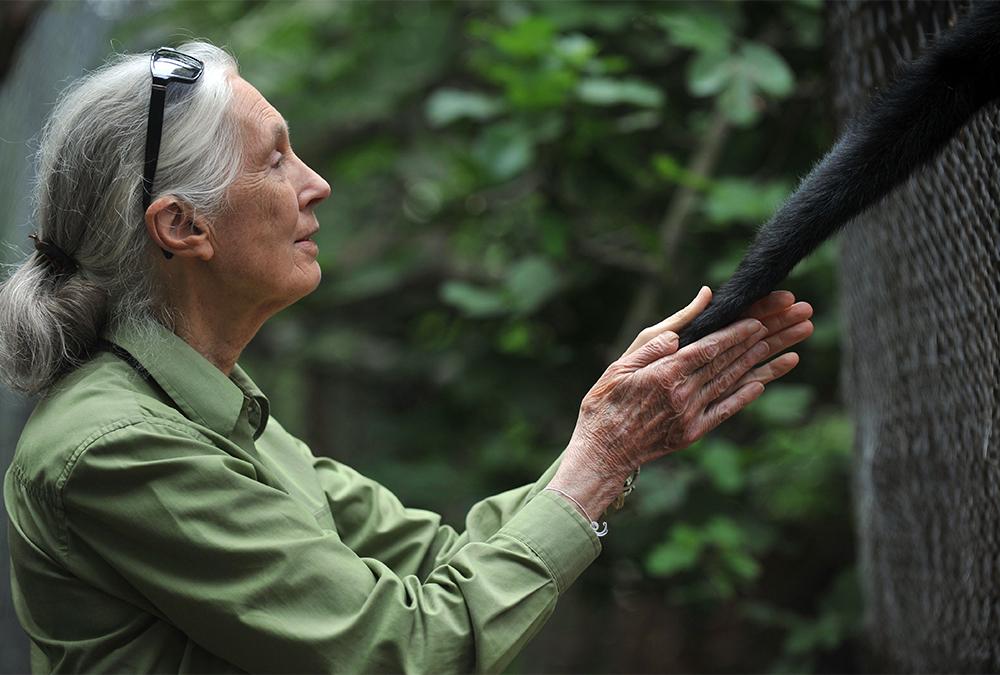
(558, 534)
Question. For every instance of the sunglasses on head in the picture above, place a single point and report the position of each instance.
(165, 65)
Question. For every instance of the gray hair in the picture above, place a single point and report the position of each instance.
(88, 201)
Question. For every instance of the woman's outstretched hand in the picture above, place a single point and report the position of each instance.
(656, 399)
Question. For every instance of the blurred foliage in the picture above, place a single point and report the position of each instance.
(518, 187)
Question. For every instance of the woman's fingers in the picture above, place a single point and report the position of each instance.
(655, 349)
(731, 374)
(718, 412)
(795, 314)
(705, 350)
(772, 303)
(675, 321)
(725, 372)
(723, 361)
(684, 316)
(767, 308)
(787, 337)
(769, 372)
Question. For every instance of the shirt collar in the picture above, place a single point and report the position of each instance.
(201, 391)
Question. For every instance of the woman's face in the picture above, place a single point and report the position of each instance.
(263, 241)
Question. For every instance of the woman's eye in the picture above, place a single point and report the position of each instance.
(277, 163)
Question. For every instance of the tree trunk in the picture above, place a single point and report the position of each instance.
(920, 289)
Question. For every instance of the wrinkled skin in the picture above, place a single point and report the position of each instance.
(656, 399)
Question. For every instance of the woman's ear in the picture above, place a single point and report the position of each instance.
(173, 225)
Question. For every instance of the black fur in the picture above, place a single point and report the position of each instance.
(903, 127)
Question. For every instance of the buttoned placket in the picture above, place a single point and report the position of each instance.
(253, 411)
(246, 423)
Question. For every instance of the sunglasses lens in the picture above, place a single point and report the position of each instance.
(175, 65)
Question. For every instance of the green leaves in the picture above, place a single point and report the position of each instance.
(530, 282)
(447, 105)
(667, 167)
(680, 551)
(709, 73)
(740, 78)
(576, 50)
(727, 201)
(737, 200)
(801, 475)
(474, 301)
(603, 91)
(536, 68)
(766, 69)
(697, 30)
(530, 37)
(721, 462)
(504, 150)
(720, 549)
(783, 404)
(837, 619)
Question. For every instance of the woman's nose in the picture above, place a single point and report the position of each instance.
(315, 190)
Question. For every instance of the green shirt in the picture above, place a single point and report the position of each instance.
(168, 523)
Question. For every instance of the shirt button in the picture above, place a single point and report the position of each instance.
(254, 415)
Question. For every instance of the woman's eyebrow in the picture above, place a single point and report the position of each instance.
(279, 130)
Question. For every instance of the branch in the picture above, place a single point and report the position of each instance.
(622, 257)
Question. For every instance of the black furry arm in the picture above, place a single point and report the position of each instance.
(903, 127)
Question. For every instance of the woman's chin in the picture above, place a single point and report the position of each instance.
(313, 276)
(307, 276)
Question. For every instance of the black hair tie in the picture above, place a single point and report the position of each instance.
(55, 255)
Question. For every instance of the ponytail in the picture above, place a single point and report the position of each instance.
(50, 321)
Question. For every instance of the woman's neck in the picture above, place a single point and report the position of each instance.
(216, 335)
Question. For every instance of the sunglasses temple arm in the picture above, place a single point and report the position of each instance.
(154, 129)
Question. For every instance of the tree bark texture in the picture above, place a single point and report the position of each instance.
(920, 279)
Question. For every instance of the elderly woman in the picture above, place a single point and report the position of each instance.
(162, 520)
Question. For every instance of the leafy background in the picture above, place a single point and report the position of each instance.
(518, 188)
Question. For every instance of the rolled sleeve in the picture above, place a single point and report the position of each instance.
(246, 571)
(558, 534)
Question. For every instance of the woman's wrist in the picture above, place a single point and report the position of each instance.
(594, 489)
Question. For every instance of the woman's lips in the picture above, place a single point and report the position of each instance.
(307, 245)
